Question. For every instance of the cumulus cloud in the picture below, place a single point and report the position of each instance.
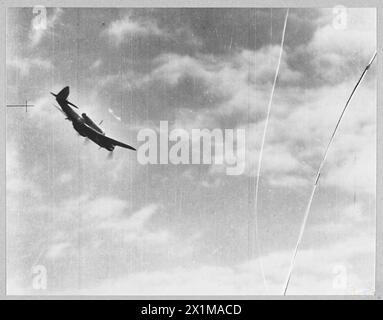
(133, 25)
(128, 26)
(356, 37)
(107, 217)
(24, 65)
(301, 120)
(43, 24)
(335, 53)
(334, 266)
(105, 221)
(218, 73)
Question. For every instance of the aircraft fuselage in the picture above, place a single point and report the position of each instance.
(83, 125)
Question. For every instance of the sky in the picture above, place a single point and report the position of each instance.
(102, 225)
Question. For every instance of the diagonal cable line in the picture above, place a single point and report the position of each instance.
(261, 152)
(305, 217)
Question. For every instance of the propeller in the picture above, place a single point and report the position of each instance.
(110, 155)
(86, 141)
(101, 122)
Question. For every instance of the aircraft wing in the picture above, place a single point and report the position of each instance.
(95, 135)
(115, 142)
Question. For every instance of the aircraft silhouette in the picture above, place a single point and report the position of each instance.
(84, 125)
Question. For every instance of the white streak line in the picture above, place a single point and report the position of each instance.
(261, 153)
(318, 176)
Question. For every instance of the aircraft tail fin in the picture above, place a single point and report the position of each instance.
(63, 94)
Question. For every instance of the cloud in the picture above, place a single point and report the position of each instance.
(296, 141)
(104, 221)
(335, 54)
(357, 37)
(128, 26)
(135, 25)
(57, 250)
(24, 65)
(301, 119)
(329, 264)
(218, 73)
(355, 169)
(39, 31)
(108, 216)
(16, 183)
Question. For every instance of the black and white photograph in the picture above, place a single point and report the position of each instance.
(184, 151)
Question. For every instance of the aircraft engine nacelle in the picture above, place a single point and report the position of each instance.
(91, 124)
